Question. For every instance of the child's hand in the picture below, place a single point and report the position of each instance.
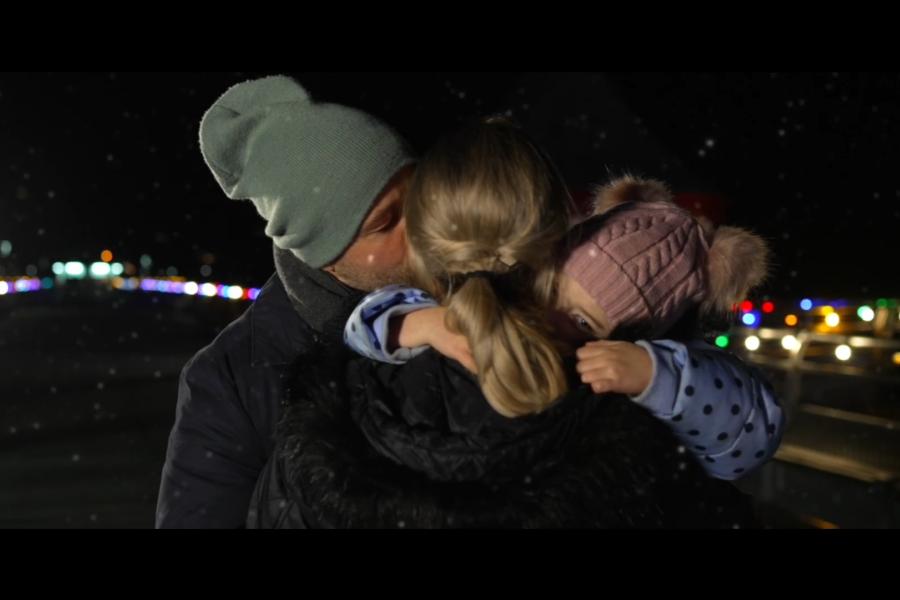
(426, 328)
(620, 367)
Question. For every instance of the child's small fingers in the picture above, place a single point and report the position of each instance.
(584, 352)
(595, 375)
(598, 343)
(609, 349)
(592, 364)
(602, 386)
(594, 348)
(606, 344)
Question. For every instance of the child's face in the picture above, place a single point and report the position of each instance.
(578, 318)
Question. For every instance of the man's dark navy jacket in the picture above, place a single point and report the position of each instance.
(230, 395)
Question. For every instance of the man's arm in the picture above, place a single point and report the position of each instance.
(214, 454)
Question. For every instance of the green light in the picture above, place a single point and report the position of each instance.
(722, 341)
(865, 313)
(882, 303)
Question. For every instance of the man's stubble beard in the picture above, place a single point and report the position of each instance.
(367, 279)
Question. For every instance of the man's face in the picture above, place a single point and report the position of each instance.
(377, 257)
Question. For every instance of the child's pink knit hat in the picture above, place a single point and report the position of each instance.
(647, 261)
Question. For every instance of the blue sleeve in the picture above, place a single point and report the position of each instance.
(722, 410)
(367, 329)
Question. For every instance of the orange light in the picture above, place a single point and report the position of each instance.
(827, 310)
(106, 256)
(790, 320)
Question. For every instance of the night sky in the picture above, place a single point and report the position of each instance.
(110, 160)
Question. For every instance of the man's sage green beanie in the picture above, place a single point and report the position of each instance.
(313, 170)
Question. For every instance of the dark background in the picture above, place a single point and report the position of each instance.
(110, 160)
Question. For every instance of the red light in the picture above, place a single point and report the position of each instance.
(746, 306)
(768, 307)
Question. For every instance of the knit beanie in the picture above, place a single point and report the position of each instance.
(644, 260)
(312, 170)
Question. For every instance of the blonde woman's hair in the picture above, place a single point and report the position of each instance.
(487, 200)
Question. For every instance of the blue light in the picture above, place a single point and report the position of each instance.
(751, 318)
(806, 304)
